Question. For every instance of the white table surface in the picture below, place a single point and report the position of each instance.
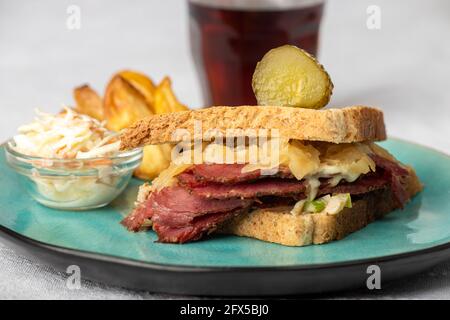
(402, 68)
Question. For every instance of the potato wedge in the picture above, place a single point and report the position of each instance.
(156, 159)
(88, 102)
(124, 104)
(165, 100)
(141, 83)
(289, 76)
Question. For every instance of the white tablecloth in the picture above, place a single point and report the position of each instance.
(402, 68)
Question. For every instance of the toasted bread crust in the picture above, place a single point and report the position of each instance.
(346, 125)
(279, 226)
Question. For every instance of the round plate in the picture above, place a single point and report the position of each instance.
(404, 242)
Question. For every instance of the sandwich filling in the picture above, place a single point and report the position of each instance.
(192, 198)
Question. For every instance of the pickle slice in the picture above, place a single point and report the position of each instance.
(289, 76)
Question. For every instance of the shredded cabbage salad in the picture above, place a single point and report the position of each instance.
(66, 135)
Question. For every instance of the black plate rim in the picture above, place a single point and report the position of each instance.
(17, 237)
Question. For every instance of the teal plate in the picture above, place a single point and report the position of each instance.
(403, 243)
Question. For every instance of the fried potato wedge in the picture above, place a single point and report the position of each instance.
(88, 102)
(124, 104)
(165, 99)
(141, 83)
(156, 159)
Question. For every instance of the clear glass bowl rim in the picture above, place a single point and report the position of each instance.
(123, 155)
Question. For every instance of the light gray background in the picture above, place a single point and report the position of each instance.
(403, 68)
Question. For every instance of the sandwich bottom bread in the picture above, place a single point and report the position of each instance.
(311, 192)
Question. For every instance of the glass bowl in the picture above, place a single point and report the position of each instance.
(75, 184)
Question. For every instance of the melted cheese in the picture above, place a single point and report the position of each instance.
(373, 147)
(336, 162)
(313, 187)
(303, 159)
(167, 177)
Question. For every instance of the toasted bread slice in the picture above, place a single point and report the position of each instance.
(278, 225)
(346, 125)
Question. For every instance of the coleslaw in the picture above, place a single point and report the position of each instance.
(66, 135)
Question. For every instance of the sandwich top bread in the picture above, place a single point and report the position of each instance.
(345, 125)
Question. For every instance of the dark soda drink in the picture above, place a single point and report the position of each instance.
(229, 37)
